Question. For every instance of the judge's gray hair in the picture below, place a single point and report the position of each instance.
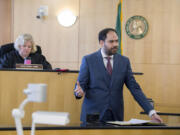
(21, 39)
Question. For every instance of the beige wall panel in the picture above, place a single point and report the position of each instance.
(161, 44)
(61, 44)
(157, 55)
(95, 15)
(58, 43)
(159, 82)
(5, 21)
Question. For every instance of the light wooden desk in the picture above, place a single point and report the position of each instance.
(93, 130)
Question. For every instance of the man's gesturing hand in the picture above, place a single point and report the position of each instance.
(79, 91)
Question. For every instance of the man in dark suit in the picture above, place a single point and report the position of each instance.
(101, 79)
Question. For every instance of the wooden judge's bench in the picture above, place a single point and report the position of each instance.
(60, 98)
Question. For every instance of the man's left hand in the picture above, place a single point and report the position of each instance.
(156, 118)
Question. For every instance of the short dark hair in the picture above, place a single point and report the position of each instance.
(103, 33)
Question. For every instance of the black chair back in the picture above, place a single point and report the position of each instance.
(6, 48)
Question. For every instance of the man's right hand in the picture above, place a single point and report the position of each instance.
(79, 91)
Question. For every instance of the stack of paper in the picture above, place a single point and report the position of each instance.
(134, 122)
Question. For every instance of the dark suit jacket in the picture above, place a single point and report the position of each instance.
(103, 91)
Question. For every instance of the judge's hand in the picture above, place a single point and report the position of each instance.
(156, 118)
(79, 91)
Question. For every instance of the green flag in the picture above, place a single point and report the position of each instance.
(118, 26)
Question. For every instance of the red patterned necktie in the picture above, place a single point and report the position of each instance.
(109, 67)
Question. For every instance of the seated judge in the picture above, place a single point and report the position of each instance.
(101, 79)
(24, 48)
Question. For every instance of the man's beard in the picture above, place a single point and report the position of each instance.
(111, 51)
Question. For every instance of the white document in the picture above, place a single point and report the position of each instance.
(130, 122)
(138, 121)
